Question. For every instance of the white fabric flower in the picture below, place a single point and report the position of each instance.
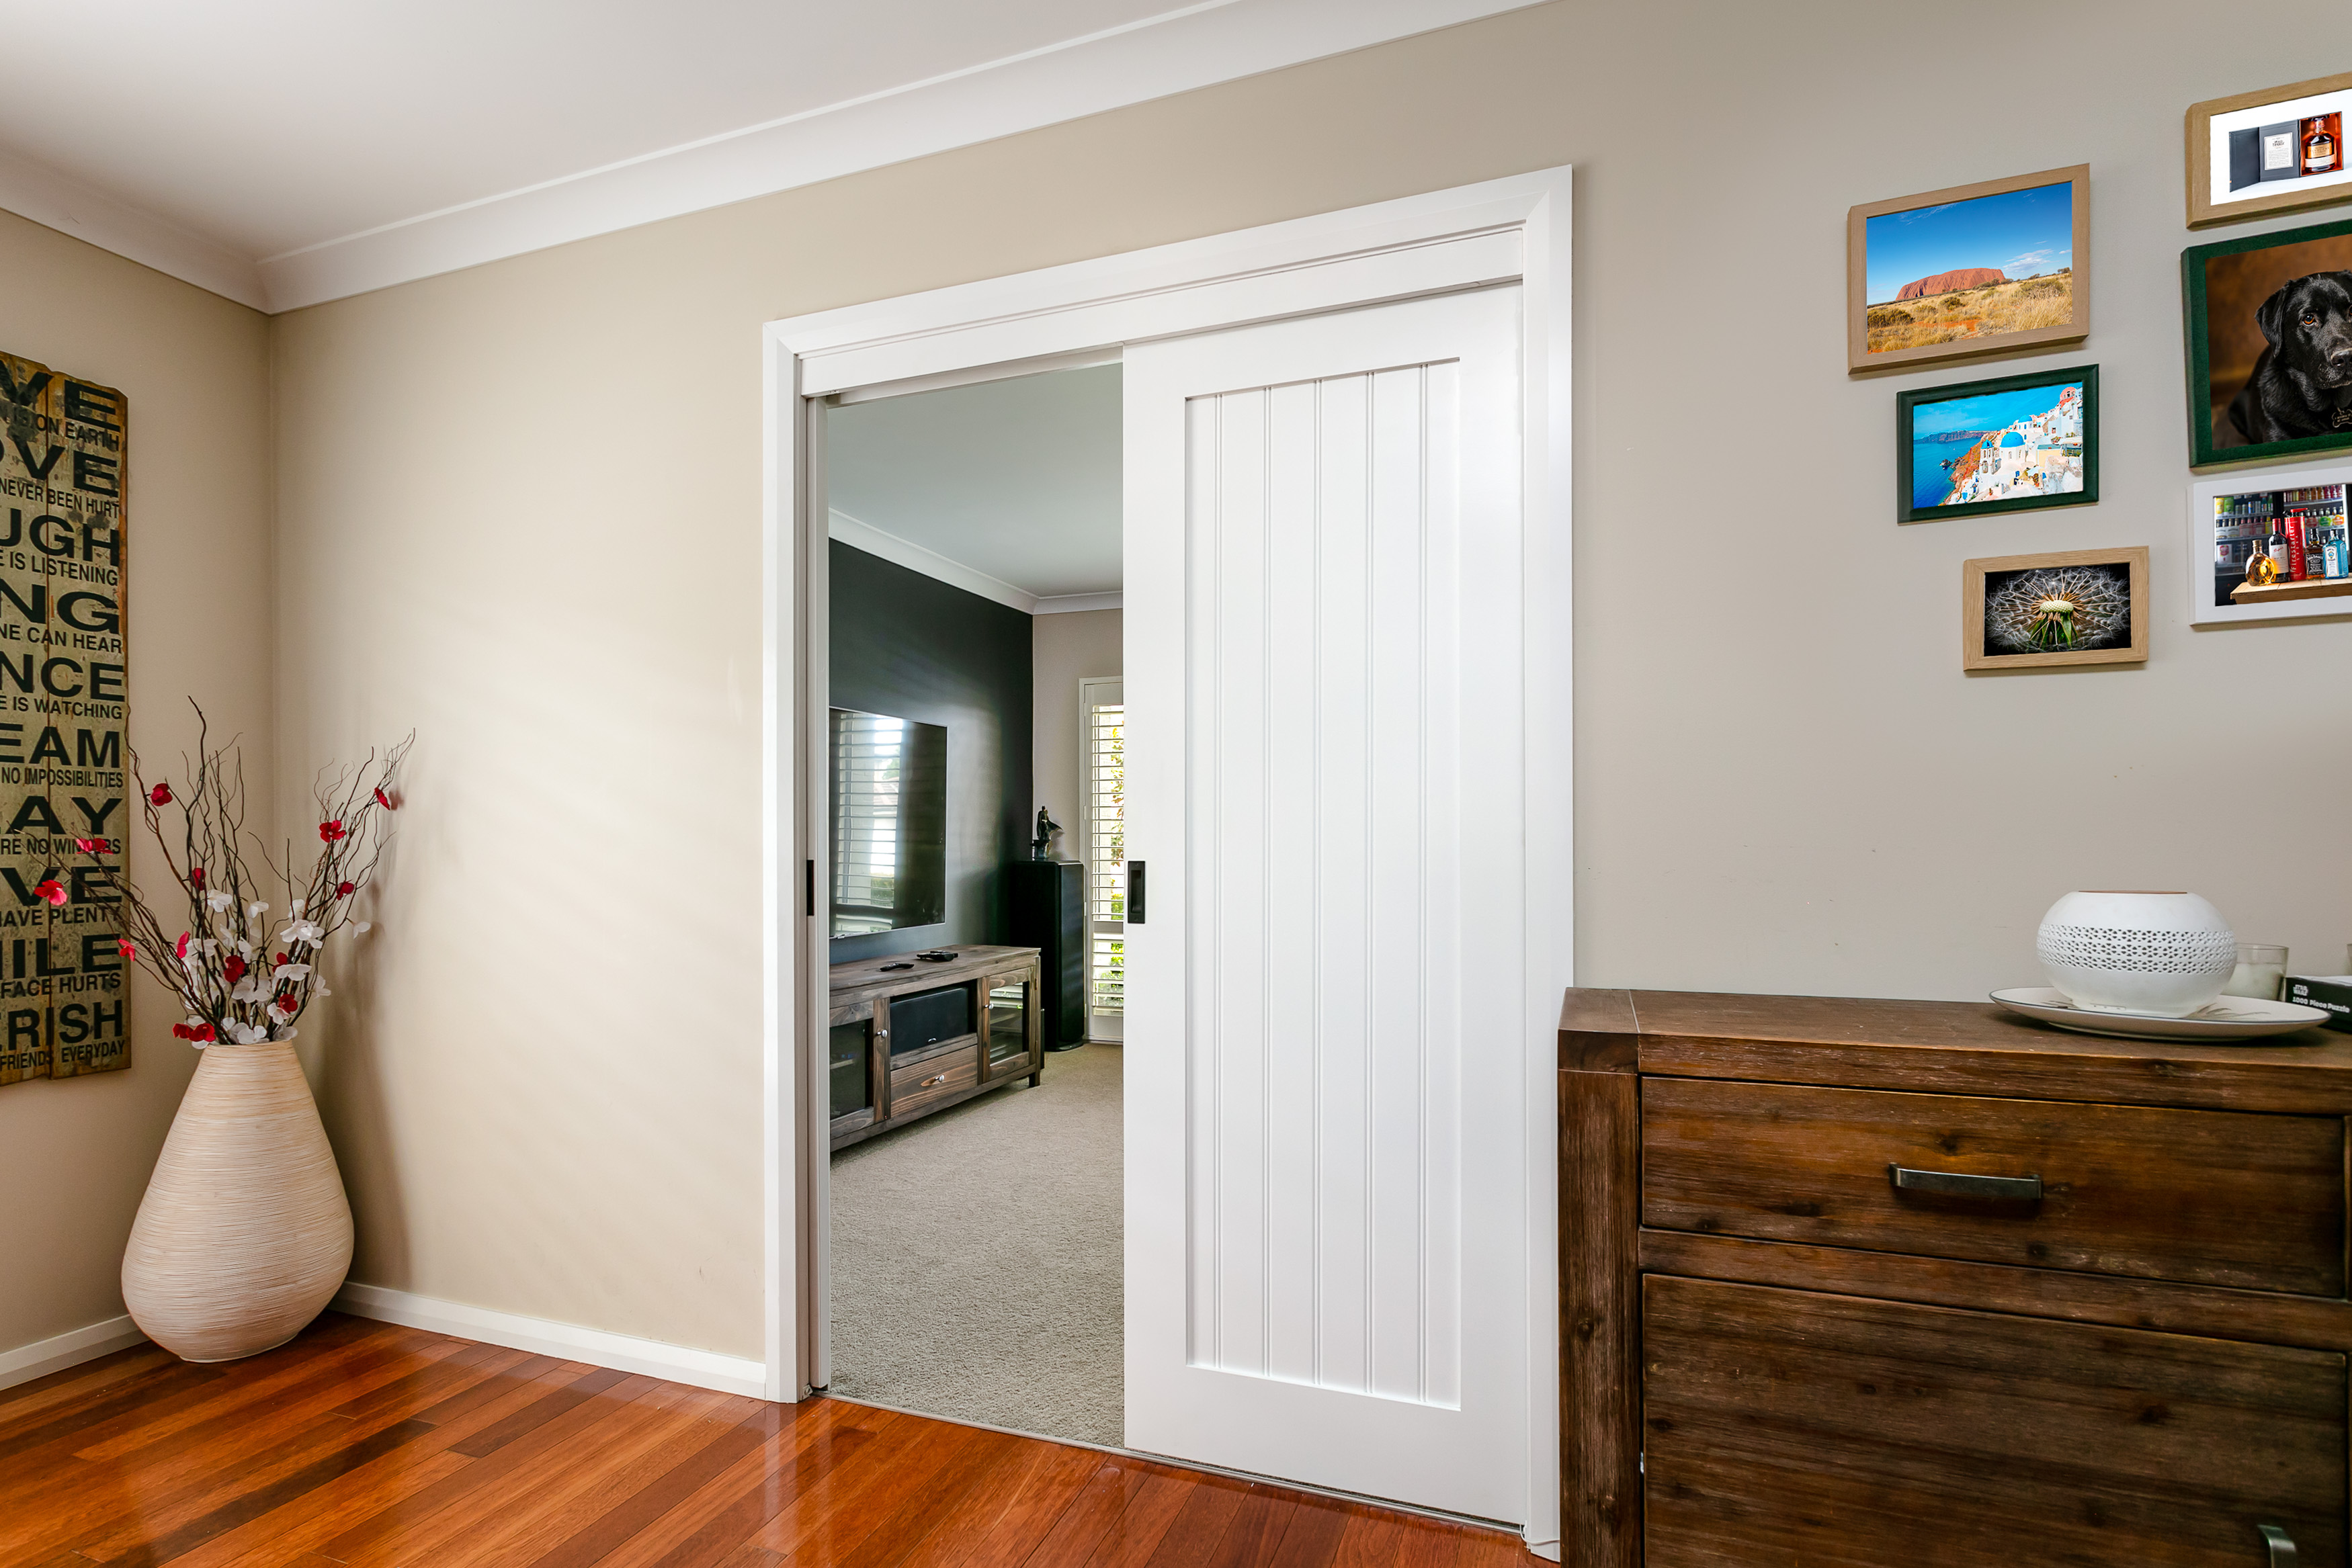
(295, 908)
(217, 899)
(286, 1031)
(255, 910)
(301, 931)
(285, 972)
(248, 1033)
(361, 928)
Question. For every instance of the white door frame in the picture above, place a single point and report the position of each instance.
(1515, 228)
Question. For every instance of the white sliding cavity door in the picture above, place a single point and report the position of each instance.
(1326, 832)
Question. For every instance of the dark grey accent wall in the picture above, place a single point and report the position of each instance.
(912, 647)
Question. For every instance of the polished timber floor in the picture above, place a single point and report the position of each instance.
(371, 1446)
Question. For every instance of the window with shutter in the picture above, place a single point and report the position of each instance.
(1103, 712)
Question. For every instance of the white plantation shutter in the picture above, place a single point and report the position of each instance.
(1103, 711)
(867, 754)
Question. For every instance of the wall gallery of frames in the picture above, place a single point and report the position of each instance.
(2003, 268)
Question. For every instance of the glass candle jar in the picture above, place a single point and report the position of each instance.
(2261, 969)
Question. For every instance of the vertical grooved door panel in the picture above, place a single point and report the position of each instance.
(1324, 704)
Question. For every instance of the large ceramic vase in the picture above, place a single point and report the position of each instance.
(245, 1233)
(2162, 954)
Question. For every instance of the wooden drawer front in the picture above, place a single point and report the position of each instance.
(1782, 1426)
(914, 1086)
(2213, 1197)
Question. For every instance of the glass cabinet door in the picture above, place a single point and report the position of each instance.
(852, 1058)
(1008, 1024)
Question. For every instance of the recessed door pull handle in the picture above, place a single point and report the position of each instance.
(2282, 1546)
(1957, 1184)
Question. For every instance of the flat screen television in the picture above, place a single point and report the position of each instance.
(889, 823)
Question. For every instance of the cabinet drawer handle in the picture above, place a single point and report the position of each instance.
(2280, 1543)
(927, 1082)
(1955, 1183)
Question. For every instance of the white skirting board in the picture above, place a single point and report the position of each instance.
(622, 1353)
(42, 1357)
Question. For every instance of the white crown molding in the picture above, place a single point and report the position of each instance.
(865, 537)
(543, 1336)
(1196, 46)
(73, 208)
(71, 1348)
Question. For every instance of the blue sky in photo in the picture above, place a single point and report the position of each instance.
(1994, 410)
(2020, 232)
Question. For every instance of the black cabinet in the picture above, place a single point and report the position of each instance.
(1049, 914)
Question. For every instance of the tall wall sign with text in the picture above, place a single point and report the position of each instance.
(64, 989)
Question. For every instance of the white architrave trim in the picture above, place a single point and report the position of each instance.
(71, 1348)
(1513, 229)
(542, 1336)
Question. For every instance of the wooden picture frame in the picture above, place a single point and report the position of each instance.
(2229, 518)
(1858, 309)
(2295, 193)
(1997, 574)
(2085, 419)
(2270, 259)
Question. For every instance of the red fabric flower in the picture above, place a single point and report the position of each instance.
(48, 888)
(386, 801)
(329, 832)
(161, 795)
(233, 968)
(200, 1033)
(283, 959)
(125, 948)
(345, 889)
(196, 876)
(181, 950)
(90, 846)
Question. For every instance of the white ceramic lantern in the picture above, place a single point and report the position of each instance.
(2163, 954)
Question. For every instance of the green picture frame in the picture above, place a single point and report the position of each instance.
(1907, 488)
(2332, 242)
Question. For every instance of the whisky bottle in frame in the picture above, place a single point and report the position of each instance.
(2319, 152)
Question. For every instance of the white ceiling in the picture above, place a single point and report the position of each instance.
(284, 152)
(1015, 482)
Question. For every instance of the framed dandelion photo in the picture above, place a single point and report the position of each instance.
(2070, 607)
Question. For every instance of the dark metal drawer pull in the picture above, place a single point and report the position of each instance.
(1955, 1184)
(2280, 1543)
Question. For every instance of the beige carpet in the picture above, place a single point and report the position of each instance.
(976, 1258)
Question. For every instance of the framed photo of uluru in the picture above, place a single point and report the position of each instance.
(1990, 268)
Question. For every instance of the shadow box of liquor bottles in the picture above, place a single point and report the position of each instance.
(2271, 545)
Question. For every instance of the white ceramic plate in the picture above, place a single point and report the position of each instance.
(2225, 1017)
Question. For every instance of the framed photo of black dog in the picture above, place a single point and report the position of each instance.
(2269, 329)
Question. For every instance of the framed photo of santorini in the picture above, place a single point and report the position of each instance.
(1988, 268)
(2013, 445)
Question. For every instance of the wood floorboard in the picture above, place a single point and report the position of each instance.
(363, 1445)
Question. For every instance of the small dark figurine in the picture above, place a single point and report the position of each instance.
(1046, 829)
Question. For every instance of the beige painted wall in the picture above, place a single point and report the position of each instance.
(74, 1154)
(524, 500)
(1064, 650)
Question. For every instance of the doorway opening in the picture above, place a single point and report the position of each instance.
(975, 898)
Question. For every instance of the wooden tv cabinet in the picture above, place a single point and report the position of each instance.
(880, 1087)
(1856, 1283)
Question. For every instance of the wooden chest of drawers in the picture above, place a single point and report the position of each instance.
(1855, 1284)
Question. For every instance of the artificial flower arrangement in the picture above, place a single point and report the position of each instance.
(237, 983)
